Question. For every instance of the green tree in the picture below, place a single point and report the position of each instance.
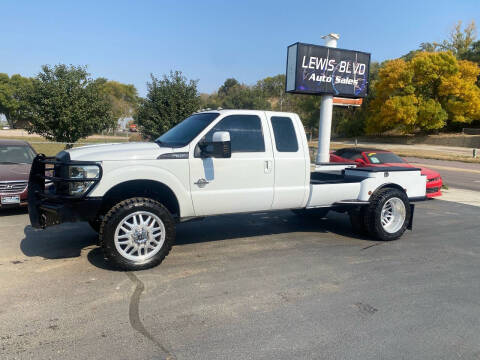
(123, 97)
(350, 121)
(67, 105)
(273, 89)
(430, 91)
(209, 101)
(12, 99)
(169, 100)
(227, 87)
(233, 95)
(459, 42)
(272, 86)
(473, 55)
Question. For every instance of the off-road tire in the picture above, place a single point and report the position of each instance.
(374, 209)
(117, 214)
(357, 219)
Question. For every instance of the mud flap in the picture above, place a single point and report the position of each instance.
(410, 222)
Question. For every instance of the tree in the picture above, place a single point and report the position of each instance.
(243, 97)
(272, 86)
(350, 121)
(67, 105)
(460, 40)
(233, 95)
(209, 101)
(424, 94)
(473, 55)
(12, 103)
(123, 97)
(169, 100)
(227, 87)
(273, 89)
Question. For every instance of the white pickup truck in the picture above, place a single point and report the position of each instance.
(215, 162)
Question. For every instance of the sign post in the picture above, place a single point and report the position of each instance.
(326, 71)
(326, 108)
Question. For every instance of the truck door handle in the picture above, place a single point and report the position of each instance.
(201, 183)
(268, 166)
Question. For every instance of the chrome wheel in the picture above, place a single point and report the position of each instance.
(139, 236)
(393, 215)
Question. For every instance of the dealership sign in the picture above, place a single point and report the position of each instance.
(314, 69)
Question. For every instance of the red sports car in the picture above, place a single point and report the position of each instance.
(373, 157)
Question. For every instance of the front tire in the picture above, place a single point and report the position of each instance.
(388, 214)
(137, 234)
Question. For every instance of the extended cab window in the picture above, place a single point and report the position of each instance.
(246, 133)
(285, 137)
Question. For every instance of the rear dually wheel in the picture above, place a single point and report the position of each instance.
(388, 214)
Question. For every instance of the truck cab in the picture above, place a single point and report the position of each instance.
(214, 162)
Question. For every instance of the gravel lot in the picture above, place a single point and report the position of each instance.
(263, 286)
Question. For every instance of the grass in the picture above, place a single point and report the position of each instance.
(423, 154)
(50, 148)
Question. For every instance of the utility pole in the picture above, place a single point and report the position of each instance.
(326, 107)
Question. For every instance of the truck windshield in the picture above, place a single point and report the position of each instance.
(184, 132)
(16, 154)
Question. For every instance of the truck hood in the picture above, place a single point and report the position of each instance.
(14, 172)
(119, 151)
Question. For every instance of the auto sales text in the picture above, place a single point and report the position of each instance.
(325, 64)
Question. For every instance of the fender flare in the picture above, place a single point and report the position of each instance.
(114, 177)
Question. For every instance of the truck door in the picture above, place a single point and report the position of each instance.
(241, 183)
(291, 161)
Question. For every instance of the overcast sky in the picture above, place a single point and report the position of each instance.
(210, 40)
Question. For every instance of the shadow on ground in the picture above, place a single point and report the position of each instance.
(58, 242)
(13, 211)
(68, 240)
(226, 227)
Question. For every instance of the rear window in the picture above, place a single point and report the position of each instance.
(284, 132)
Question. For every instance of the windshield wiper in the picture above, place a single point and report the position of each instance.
(172, 145)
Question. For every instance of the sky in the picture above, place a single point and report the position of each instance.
(207, 40)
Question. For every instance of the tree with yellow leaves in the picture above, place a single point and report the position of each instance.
(425, 94)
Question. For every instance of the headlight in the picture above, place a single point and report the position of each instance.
(82, 172)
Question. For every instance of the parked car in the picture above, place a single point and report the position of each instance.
(212, 163)
(16, 158)
(374, 157)
(133, 128)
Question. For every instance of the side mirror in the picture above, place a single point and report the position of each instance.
(222, 146)
(219, 147)
(360, 162)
